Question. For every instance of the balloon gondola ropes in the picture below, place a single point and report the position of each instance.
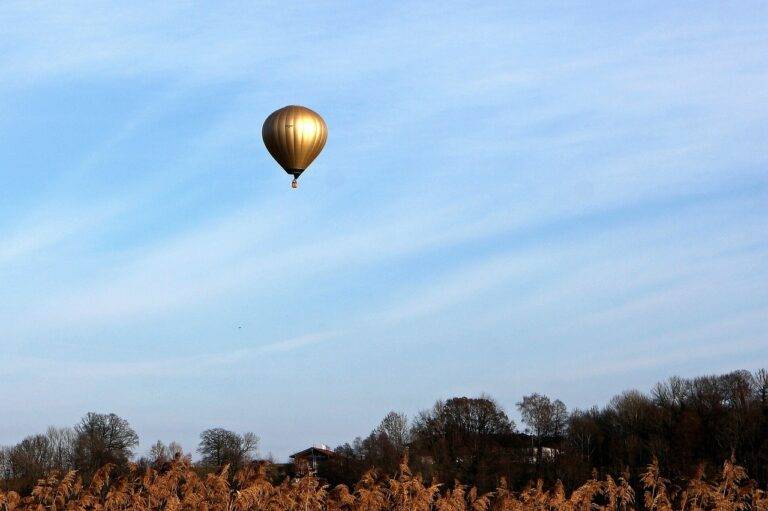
(294, 136)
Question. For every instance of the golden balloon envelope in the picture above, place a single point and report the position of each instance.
(294, 136)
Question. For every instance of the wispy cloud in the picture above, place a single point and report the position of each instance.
(44, 230)
(173, 367)
(742, 334)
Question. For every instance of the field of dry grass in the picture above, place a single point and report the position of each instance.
(178, 486)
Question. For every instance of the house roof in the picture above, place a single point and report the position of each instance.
(313, 451)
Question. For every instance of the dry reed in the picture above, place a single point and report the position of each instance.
(177, 486)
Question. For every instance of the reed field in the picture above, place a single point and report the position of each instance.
(177, 486)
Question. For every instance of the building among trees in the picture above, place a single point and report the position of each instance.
(309, 460)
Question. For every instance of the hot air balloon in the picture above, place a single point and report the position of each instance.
(294, 136)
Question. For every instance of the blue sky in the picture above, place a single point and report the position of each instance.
(514, 197)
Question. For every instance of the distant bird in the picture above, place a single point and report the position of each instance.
(294, 136)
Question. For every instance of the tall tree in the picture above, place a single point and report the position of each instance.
(158, 453)
(384, 447)
(463, 439)
(761, 396)
(29, 460)
(395, 426)
(544, 417)
(101, 439)
(175, 450)
(220, 447)
(62, 443)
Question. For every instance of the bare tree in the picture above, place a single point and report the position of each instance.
(395, 426)
(761, 387)
(5, 466)
(62, 447)
(544, 418)
(175, 450)
(384, 447)
(102, 439)
(29, 460)
(158, 453)
(220, 447)
(462, 438)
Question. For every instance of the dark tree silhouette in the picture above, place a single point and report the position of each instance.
(220, 447)
(101, 439)
(684, 423)
(461, 438)
(544, 417)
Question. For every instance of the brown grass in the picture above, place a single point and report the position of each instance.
(179, 487)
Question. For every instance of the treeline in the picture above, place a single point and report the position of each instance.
(688, 425)
(101, 440)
